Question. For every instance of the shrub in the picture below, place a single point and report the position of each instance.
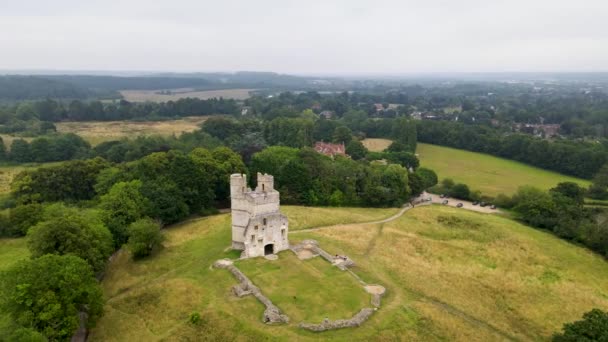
(195, 318)
(144, 237)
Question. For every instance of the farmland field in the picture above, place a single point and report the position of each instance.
(176, 94)
(375, 144)
(450, 275)
(96, 132)
(491, 175)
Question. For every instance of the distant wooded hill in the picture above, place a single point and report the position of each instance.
(30, 87)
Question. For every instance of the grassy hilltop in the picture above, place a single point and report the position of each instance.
(449, 274)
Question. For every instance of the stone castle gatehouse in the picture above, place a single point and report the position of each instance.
(258, 227)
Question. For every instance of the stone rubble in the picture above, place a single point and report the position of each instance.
(272, 314)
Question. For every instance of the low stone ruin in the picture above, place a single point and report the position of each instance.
(355, 321)
(272, 314)
(377, 292)
(310, 248)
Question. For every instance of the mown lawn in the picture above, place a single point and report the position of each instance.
(449, 274)
(491, 175)
(307, 290)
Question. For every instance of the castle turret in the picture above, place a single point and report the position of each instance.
(238, 185)
(258, 227)
(265, 183)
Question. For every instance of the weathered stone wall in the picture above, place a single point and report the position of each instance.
(272, 314)
(355, 321)
(257, 209)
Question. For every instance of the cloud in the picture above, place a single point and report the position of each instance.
(339, 36)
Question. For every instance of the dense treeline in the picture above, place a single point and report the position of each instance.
(306, 177)
(567, 157)
(19, 88)
(76, 110)
(561, 211)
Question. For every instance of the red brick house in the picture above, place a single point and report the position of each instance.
(330, 149)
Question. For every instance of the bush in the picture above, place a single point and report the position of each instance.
(144, 237)
(593, 327)
(460, 191)
(195, 318)
(24, 216)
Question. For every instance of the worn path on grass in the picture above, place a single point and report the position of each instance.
(480, 323)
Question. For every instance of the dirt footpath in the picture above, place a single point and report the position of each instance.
(465, 204)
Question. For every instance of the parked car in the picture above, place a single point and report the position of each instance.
(493, 206)
(476, 203)
(459, 205)
(483, 204)
(441, 196)
(444, 202)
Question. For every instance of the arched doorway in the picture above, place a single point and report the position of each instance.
(268, 249)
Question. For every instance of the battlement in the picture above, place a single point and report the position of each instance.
(258, 227)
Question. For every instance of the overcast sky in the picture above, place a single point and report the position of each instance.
(305, 36)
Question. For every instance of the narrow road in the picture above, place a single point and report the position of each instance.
(452, 202)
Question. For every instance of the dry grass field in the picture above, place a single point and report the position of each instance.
(376, 145)
(96, 132)
(176, 94)
(450, 275)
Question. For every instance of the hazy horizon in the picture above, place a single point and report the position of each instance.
(338, 38)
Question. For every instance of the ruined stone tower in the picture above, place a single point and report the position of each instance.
(258, 227)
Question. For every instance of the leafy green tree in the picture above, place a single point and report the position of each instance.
(23, 217)
(144, 237)
(599, 185)
(460, 191)
(570, 190)
(397, 146)
(356, 150)
(46, 294)
(416, 184)
(121, 206)
(429, 177)
(535, 207)
(20, 151)
(593, 327)
(342, 134)
(405, 132)
(70, 181)
(71, 231)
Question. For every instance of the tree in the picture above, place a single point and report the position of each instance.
(460, 191)
(599, 186)
(47, 293)
(593, 327)
(24, 216)
(356, 150)
(20, 151)
(342, 134)
(570, 190)
(121, 206)
(144, 237)
(535, 207)
(65, 230)
(429, 177)
(416, 184)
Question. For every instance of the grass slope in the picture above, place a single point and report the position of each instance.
(491, 175)
(450, 275)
